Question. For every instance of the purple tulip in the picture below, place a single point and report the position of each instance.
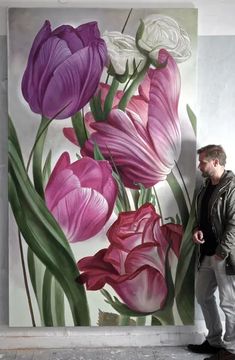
(64, 69)
(144, 151)
(81, 196)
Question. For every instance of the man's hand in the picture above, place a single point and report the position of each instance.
(198, 237)
(219, 258)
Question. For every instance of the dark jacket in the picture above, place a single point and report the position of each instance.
(221, 212)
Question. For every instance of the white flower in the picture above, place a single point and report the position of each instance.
(122, 50)
(161, 31)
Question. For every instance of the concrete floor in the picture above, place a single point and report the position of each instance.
(129, 353)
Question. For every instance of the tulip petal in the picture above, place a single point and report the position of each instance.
(70, 134)
(134, 269)
(60, 187)
(133, 228)
(82, 213)
(163, 122)
(146, 254)
(81, 209)
(52, 53)
(70, 88)
(88, 32)
(144, 291)
(62, 163)
(173, 233)
(63, 69)
(96, 271)
(70, 36)
(133, 155)
(27, 80)
(89, 170)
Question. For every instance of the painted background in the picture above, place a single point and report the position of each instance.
(23, 25)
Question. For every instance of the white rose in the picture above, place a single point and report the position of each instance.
(161, 31)
(122, 50)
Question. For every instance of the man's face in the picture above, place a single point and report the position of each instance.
(206, 165)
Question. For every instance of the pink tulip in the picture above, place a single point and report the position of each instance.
(81, 196)
(144, 150)
(134, 263)
(137, 104)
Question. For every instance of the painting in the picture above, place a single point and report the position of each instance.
(102, 137)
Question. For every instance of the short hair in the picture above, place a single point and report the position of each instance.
(214, 152)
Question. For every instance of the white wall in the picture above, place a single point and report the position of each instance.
(215, 112)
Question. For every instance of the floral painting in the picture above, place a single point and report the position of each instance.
(102, 137)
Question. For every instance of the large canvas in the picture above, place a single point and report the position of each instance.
(102, 140)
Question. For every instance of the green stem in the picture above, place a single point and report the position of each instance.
(38, 154)
(131, 89)
(128, 16)
(158, 203)
(109, 98)
(135, 196)
(185, 187)
(26, 280)
(79, 128)
(179, 197)
(141, 320)
(36, 141)
(166, 317)
(124, 320)
(46, 298)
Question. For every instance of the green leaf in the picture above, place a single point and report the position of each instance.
(121, 308)
(44, 236)
(145, 195)
(155, 321)
(36, 272)
(135, 196)
(165, 315)
(46, 172)
(14, 138)
(179, 198)
(170, 219)
(46, 298)
(192, 118)
(185, 272)
(58, 307)
(38, 154)
(79, 128)
(108, 103)
(53, 301)
(138, 37)
(96, 107)
(130, 91)
(123, 199)
(97, 153)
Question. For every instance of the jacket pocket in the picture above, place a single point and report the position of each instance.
(230, 264)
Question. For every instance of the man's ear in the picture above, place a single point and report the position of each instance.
(216, 162)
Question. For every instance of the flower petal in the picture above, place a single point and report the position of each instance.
(173, 234)
(82, 213)
(70, 88)
(163, 122)
(89, 170)
(69, 133)
(120, 140)
(144, 291)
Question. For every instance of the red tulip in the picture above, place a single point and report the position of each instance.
(134, 263)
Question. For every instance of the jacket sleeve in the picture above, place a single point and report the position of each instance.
(227, 241)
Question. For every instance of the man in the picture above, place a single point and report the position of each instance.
(215, 235)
